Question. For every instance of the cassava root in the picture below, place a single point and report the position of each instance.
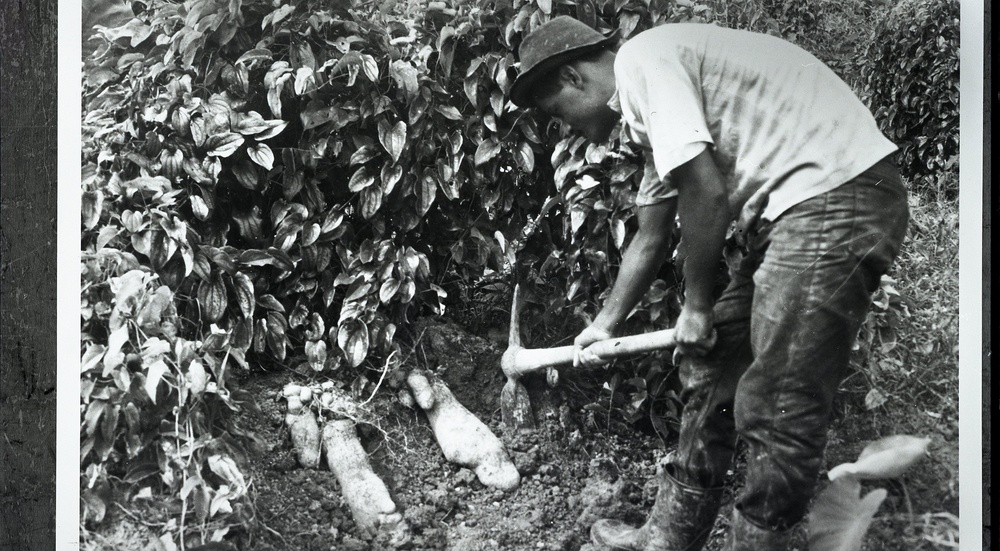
(364, 492)
(463, 438)
(304, 430)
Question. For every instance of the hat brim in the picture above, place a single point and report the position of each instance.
(524, 83)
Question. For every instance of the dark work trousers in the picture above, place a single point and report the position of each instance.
(786, 323)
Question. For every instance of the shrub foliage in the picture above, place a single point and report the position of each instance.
(909, 77)
(289, 182)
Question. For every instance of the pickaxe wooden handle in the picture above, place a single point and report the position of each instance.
(530, 360)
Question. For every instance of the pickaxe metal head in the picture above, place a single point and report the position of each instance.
(515, 405)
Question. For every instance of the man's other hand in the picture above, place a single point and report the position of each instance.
(695, 331)
(584, 357)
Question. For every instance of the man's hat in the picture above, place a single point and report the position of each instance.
(552, 44)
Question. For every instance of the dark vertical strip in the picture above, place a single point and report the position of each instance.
(991, 405)
(27, 273)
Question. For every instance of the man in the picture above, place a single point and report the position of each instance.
(745, 128)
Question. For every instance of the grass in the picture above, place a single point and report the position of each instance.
(911, 366)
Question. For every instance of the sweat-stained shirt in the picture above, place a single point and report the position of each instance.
(779, 121)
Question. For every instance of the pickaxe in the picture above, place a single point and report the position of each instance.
(515, 406)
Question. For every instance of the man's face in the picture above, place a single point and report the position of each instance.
(583, 108)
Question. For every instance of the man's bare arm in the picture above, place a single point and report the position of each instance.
(703, 209)
(642, 260)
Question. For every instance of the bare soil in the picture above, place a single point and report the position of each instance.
(577, 466)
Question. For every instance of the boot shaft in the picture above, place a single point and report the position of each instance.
(744, 535)
(680, 520)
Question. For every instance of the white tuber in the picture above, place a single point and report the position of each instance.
(463, 438)
(304, 430)
(365, 493)
(306, 395)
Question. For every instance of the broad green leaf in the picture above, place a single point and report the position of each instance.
(246, 174)
(199, 208)
(153, 377)
(888, 457)
(371, 201)
(286, 236)
(370, 67)
(262, 155)
(304, 81)
(406, 291)
(252, 123)
(245, 296)
(486, 151)
(316, 354)
(310, 233)
(269, 302)
(840, 517)
(223, 145)
(618, 232)
(456, 140)
(451, 186)
(304, 56)
(316, 115)
(471, 87)
(587, 182)
(255, 55)
(255, 257)
(627, 21)
(357, 290)
(274, 94)
(153, 185)
(175, 228)
(392, 138)
(525, 157)
(496, 102)
(91, 206)
(363, 154)
(114, 356)
(277, 16)
(195, 170)
(332, 221)
(352, 338)
(405, 76)
(596, 153)
(276, 340)
(281, 259)
(388, 289)
(449, 112)
(391, 173)
(427, 193)
(875, 398)
(276, 127)
(133, 221)
(360, 180)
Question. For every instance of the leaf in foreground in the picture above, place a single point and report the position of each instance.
(888, 457)
(840, 517)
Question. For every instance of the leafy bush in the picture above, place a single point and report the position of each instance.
(156, 406)
(910, 80)
(286, 183)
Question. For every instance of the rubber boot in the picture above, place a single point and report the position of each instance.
(680, 520)
(747, 536)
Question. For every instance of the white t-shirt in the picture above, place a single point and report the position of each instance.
(778, 119)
